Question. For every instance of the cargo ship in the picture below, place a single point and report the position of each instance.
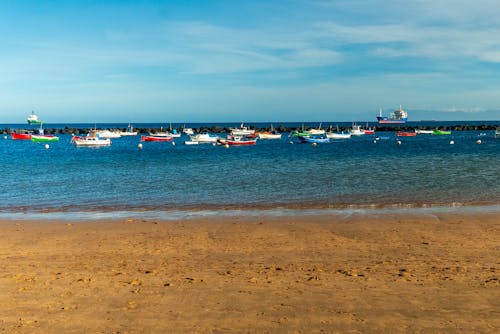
(397, 117)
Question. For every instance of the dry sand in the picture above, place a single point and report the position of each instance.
(383, 273)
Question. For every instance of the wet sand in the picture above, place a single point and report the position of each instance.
(348, 274)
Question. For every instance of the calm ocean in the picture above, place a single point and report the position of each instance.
(423, 171)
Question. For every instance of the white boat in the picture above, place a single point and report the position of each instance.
(356, 130)
(318, 131)
(497, 133)
(130, 131)
(338, 135)
(108, 134)
(33, 119)
(204, 137)
(242, 131)
(190, 142)
(428, 132)
(272, 134)
(93, 138)
(188, 131)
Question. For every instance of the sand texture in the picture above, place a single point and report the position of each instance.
(385, 273)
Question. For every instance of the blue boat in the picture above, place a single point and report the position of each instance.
(313, 139)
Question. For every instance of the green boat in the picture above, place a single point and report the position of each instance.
(441, 132)
(33, 119)
(44, 138)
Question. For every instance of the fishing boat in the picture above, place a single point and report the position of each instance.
(441, 132)
(21, 135)
(91, 139)
(497, 133)
(129, 132)
(188, 131)
(399, 116)
(318, 131)
(108, 134)
(405, 134)
(44, 138)
(316, 139)
(204, 137)
(337, 135)
(421, 132)
(356, 130)
(156, 138)
(368, 131)
(271, 134)
(233, 140)
(33, 119)
(242, 131)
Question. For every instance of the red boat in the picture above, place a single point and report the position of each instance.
(20, 136)
(406, 134)
(368, 131)
(157, 138)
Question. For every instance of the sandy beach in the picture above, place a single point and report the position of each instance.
(394, 273)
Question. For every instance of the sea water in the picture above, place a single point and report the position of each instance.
(361, 172)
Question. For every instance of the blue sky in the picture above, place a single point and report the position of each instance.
(218, 61)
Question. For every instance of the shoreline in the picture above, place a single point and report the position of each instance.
(206, 212)
(386, 272)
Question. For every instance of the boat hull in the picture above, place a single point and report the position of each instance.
(333, 135)
(406, 134)
(313, 140)
(156, 138)
(386, 120)
(20, 136)
(44, 139)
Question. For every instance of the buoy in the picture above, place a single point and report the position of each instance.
(314, 144)
(375, 141)
(173, 143)
(47, 146)
(479, 141)
(4, 137)
(226, 146)
(214, 144)
(452, 142)
(398, 142)
(139, 146)
(291, 142)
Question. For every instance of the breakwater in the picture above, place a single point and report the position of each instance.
(283, 128)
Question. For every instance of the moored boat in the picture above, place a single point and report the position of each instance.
(242, 131)
(271, 134)
(356, 130)
(399, 116)
(317, 139)
(338, 135)
(441, 132)
(44, 138)
(156, 138)
(497, 133)
(420, 131)
(91, 139)
(129, 132)
(237, 141)
(204, 137)
(20, 135)
(108, 134)
(405, 134)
